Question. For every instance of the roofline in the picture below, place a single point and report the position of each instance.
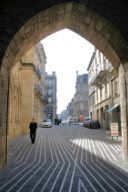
(91, 60)
(83, 75)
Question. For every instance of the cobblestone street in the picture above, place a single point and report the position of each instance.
(65, 159)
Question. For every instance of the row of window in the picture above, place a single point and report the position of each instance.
(99, 92)
(81, 88)
(82, 106)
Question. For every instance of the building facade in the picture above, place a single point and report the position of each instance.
(104, 93)
(27, 91)
(68, 112)
(81, 97)
(51, 96)
(64, 115)
(70, 108)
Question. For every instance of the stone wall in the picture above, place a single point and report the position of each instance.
(21, 28)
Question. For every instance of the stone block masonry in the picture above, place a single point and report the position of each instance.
(103, 24)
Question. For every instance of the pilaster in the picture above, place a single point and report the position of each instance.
(123, 84)
(4, 96)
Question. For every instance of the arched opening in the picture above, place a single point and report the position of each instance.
(79, 19)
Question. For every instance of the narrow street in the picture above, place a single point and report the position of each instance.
(65, 159)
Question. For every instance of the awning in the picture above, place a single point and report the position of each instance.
(113, 107)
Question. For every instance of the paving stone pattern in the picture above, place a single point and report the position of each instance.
(65, 159)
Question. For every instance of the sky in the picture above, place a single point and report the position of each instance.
(66, 53)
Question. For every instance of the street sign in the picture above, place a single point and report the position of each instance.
(114, 129)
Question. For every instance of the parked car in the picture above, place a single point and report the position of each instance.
(85, 121)
(46, 123)
(93, 124)
(70, 120)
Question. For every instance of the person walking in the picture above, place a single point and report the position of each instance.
(33, 127)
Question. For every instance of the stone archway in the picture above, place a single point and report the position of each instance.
(73, 16)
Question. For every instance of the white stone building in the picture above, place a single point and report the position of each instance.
(51, 95)
(104, 93)
(81, 97)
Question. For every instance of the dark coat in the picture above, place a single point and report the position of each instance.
(33, 126)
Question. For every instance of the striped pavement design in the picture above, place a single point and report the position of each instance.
(65, 159)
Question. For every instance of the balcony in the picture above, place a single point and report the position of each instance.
(49, 85)
(99, 76)
(38, 72)
(38, 89)
(50, 94)
(44, 99)
(49, 110)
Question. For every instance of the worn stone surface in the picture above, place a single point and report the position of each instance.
(66, 159)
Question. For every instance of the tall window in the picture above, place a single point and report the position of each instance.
(80, 80)
(49, 92)
(81, 106)
(49, 99)
(49, 83)
(81, 88)
(81, 97)
(115, 87)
